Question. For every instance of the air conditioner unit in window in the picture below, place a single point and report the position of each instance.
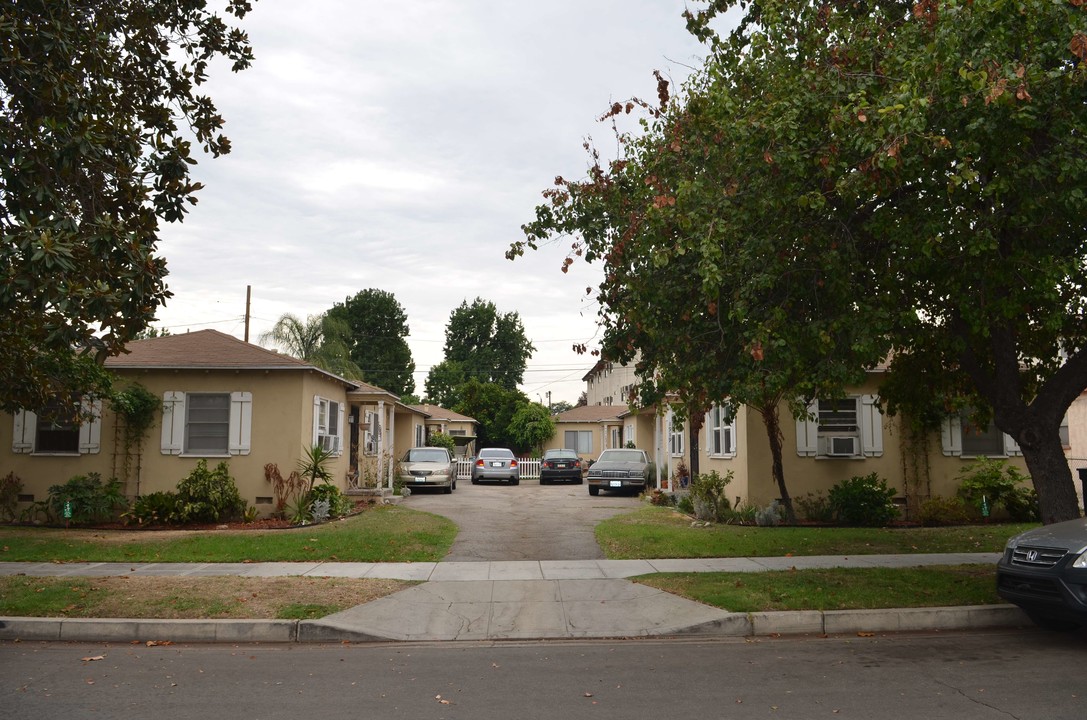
(330, 443)
(842, 446)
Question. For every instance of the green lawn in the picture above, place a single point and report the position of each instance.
(658, 532)
(381, 534)
(835, 589)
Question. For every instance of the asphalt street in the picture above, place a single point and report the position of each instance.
(1024, 674)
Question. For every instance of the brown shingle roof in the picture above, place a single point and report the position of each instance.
(440, 413)
(203, 349)
(592, 413)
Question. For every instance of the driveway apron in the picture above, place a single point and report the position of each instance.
(523, 522)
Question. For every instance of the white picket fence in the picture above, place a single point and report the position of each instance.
(530, 468)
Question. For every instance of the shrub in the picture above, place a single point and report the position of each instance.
(1000, 485)
(815, 507)
(443, 441)
(863, 500)
(1022, 505)
(209, 495)
(338, 504)
(661, 498)
(685, 505)
(708, 496)
(10, 487)
(770, 516)
(938, 511)
(742, 514)
(91, 500)
(154, 508)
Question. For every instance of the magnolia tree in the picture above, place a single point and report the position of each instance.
(842, 182)
(100, 109)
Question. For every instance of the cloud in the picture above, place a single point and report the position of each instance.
(401, 146)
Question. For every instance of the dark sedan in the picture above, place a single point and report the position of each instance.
(560, 466)
(1044, 571)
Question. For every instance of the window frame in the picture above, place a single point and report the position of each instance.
(583, 441)
(720, 423)
(676, 444)
(175, 415)
(26, 427)
(223, 423)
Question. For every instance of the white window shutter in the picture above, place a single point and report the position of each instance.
(241, 423)
(807, 433)
(26, 427)
(339, 430)
(731, 449)
(173, 422)
(316, 420)
(90, 433)
(871, 427)
(951, 436)
(1011, 447)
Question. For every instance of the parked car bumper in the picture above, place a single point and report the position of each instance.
(442, 481)
(1058, 593)
(495, 474)
(609, 483)
(567, 475)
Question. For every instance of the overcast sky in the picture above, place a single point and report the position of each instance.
(401, 146)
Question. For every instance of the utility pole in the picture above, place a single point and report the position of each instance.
(248, 296)
(549, 401)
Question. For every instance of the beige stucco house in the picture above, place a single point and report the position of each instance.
(463, 429)
(222, 400)
(842, 438)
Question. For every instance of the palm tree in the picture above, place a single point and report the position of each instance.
(318, 340)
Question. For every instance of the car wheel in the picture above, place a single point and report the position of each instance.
(579, 481)
(1051, 623)
(515, 481)
(454, 484)
(543, 482)
(594, 490)
(448, 489)
(475, 482)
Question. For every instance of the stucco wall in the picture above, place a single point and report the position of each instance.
(282, 424)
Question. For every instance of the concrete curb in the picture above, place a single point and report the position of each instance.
(831, 622)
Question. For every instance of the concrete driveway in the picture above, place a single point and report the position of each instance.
(523, 522)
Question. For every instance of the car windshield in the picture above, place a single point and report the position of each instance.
(622, 456)
(426, 455)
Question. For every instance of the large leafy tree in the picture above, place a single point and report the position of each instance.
(530, 427)
(488, 345)
(318, 339)
(377, 339)
(494, 408)
(99, 109)
(443, 383)
(927, 158)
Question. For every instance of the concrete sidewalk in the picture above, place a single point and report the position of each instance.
(507, 600)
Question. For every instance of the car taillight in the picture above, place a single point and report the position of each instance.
(513, 463)
(577, 463)
(479, 463)
(548, 464)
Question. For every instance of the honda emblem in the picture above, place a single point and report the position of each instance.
(1032, 556)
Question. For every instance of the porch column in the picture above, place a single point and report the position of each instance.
(392, 445)
(657, 419)
(380, 439)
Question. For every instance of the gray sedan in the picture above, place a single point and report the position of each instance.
(496, 464)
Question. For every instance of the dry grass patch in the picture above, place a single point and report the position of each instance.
(188, 598)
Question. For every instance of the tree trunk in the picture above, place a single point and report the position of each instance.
(1035, 426)
(773, 432)
(695, 423)
(1049, 471)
